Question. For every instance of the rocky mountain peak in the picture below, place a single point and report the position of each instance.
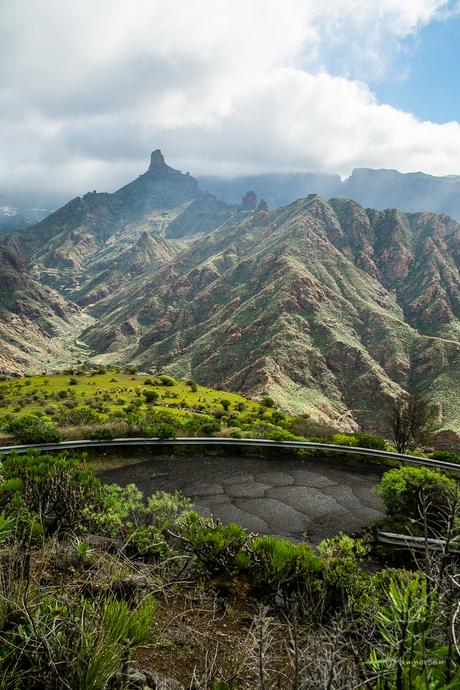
(158, 165)
(249, 202)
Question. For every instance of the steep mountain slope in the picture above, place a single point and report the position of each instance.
(70, 246)
(322, 304)
(34, 319)
(329, 307)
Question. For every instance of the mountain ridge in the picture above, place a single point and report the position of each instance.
(329, 307)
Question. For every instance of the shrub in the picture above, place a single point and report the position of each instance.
(166, 380)
(77, 417)
(279, 435)
(345, 440)
(225, 403)
(102, 435)
(211, 427)
(409, 492)
(32, 429)
(445, 456)
(281, 566)
(278, 416)
(241, 406)
(124, 508)
(218, 549)
(192, 385)
(57, 489)
(73, 382)
(164, 431)
(409, 627)
(268, 402)
(366, 440)
(150, 395)
(147, 542)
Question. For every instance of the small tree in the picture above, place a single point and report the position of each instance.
(412, 421)
(150, 395)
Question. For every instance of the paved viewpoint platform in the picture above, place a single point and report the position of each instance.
(289, 496)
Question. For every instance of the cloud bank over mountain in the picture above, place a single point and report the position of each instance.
(223, 88)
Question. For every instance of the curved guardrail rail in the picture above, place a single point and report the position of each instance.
(213, 441)
(407, 541)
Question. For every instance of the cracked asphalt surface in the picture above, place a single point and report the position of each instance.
(289, 496)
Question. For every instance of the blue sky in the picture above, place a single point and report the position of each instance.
(426, 81)
(88, 89)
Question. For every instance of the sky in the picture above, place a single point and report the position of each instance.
(88, 88)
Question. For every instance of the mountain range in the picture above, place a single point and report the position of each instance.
(329, 307)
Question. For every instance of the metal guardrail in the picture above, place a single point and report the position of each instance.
(419, 543)
(215, 441)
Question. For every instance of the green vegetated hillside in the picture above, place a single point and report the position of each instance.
(330, 308)
(107, 403)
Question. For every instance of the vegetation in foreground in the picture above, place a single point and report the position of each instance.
(98, 581)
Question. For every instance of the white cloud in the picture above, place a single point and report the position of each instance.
(88, 89)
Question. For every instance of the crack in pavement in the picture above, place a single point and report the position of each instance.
(284, 495)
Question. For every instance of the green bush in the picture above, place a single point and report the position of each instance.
(277, 416)
(146, 542)
(77, 416)
(166, 380)
(125, 508)
(344, 440)
(280, 435)
(150, 395)
(34, 429)
(57, 489)
(410, 491)
(280, 566)
(210, 427)
(445, 456)
(366, 440)
(102, 435)
(241, 406)
(268, 402)
(218, 549)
